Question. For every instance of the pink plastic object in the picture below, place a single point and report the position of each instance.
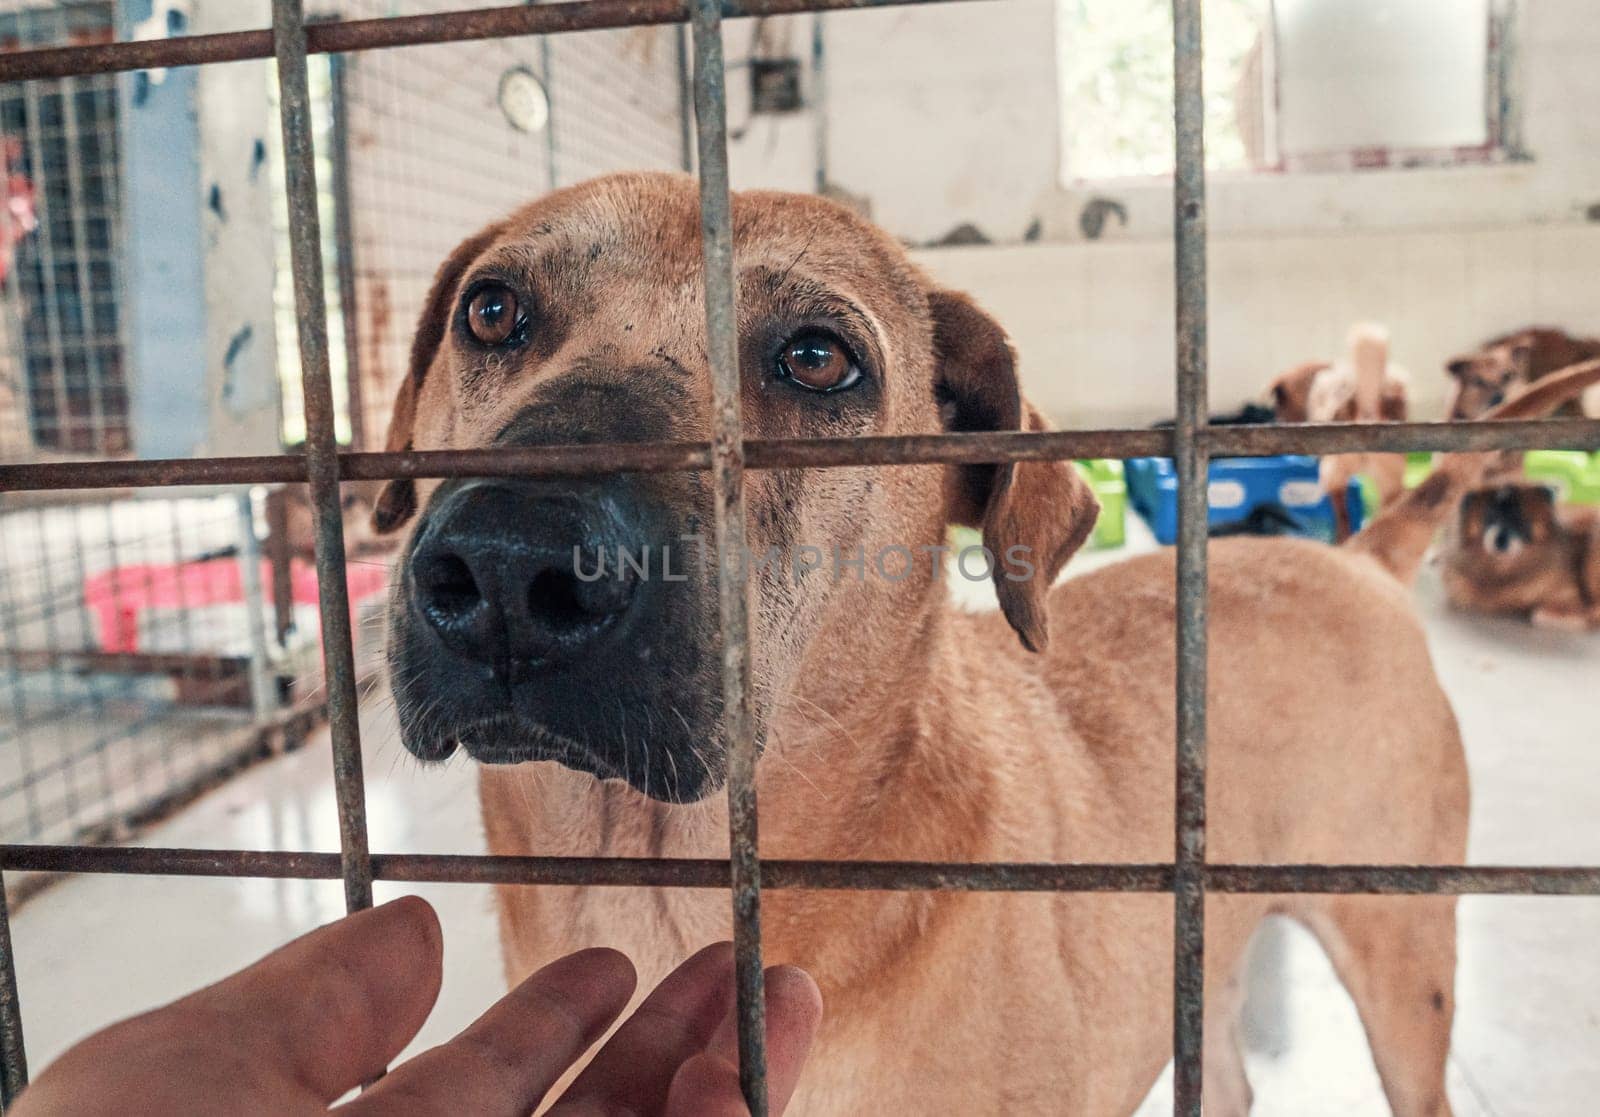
(117, 595)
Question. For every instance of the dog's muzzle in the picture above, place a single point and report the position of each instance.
(556, 620)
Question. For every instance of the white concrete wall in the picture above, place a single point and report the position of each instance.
(938, 116)
(945, 116)
(233, 114)
(433, 160)
(1093, 322)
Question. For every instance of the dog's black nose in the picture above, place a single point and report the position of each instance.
(524, 574)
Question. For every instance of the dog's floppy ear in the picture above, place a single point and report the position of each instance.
(1033, 515)
(397, 501)
(1290, 391)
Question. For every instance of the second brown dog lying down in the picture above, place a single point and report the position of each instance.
(1504, 364)
(1513, 550)
(892, 724)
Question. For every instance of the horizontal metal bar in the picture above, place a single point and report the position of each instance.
(394, 31)
(1405, 880)
(864, 876)
(194, 665)
(814, 453)
(1403, 438)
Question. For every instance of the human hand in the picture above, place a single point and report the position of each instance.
(297, 1030)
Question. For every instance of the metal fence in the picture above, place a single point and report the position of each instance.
(1188, 876)
(109, 709)
(141, 661)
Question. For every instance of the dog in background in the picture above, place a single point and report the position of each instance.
(1330, 392)
(1362, 387)
(1503, 364)
(356, 502)
(1512, 549)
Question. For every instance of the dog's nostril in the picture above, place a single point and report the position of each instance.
(553, 599)
(564, 602)
(449, 587)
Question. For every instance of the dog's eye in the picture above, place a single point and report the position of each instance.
(818, 361)
(493, 315)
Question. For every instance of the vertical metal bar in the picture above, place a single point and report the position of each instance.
(819, 101)
(114, 566)
(685, 99)
(13, 1055)
(727, 454)
(344, 249)
(48, 602)
(546, 63)
(96, 697)
(49, 282)
(255, 609)
(1506, 113)
(11, 306)
(184, 627)
(322, 460)
(151, 563)
(12, 641)
(1189, 231)
(88, 334)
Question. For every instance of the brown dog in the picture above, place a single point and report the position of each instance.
(892, 725)
(1506, 363)
(1361, 388)
(1513, 550)
(1339, 392)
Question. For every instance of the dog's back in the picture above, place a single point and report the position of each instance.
(1320, 695)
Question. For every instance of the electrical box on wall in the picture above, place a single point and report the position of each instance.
(775, 85)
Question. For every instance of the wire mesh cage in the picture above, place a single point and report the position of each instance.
(144, 660)
(394, 178)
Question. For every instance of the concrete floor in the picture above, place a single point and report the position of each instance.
(1527, 1039)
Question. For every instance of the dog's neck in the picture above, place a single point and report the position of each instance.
(909, 768)
(849, 762)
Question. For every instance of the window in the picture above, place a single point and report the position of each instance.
(1115, 62)
(1290, 84)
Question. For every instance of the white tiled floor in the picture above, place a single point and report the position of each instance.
(1527, 1038)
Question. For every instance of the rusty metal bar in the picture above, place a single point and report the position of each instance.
(733, 588)
(13, 1053)
(394, 31)
(862, 876)
(321, 457)
(1403, 438)
(814, 453)
(207, 665)
(1193, 462)
(1405, 880)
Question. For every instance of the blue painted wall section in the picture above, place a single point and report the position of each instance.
(163, 278)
